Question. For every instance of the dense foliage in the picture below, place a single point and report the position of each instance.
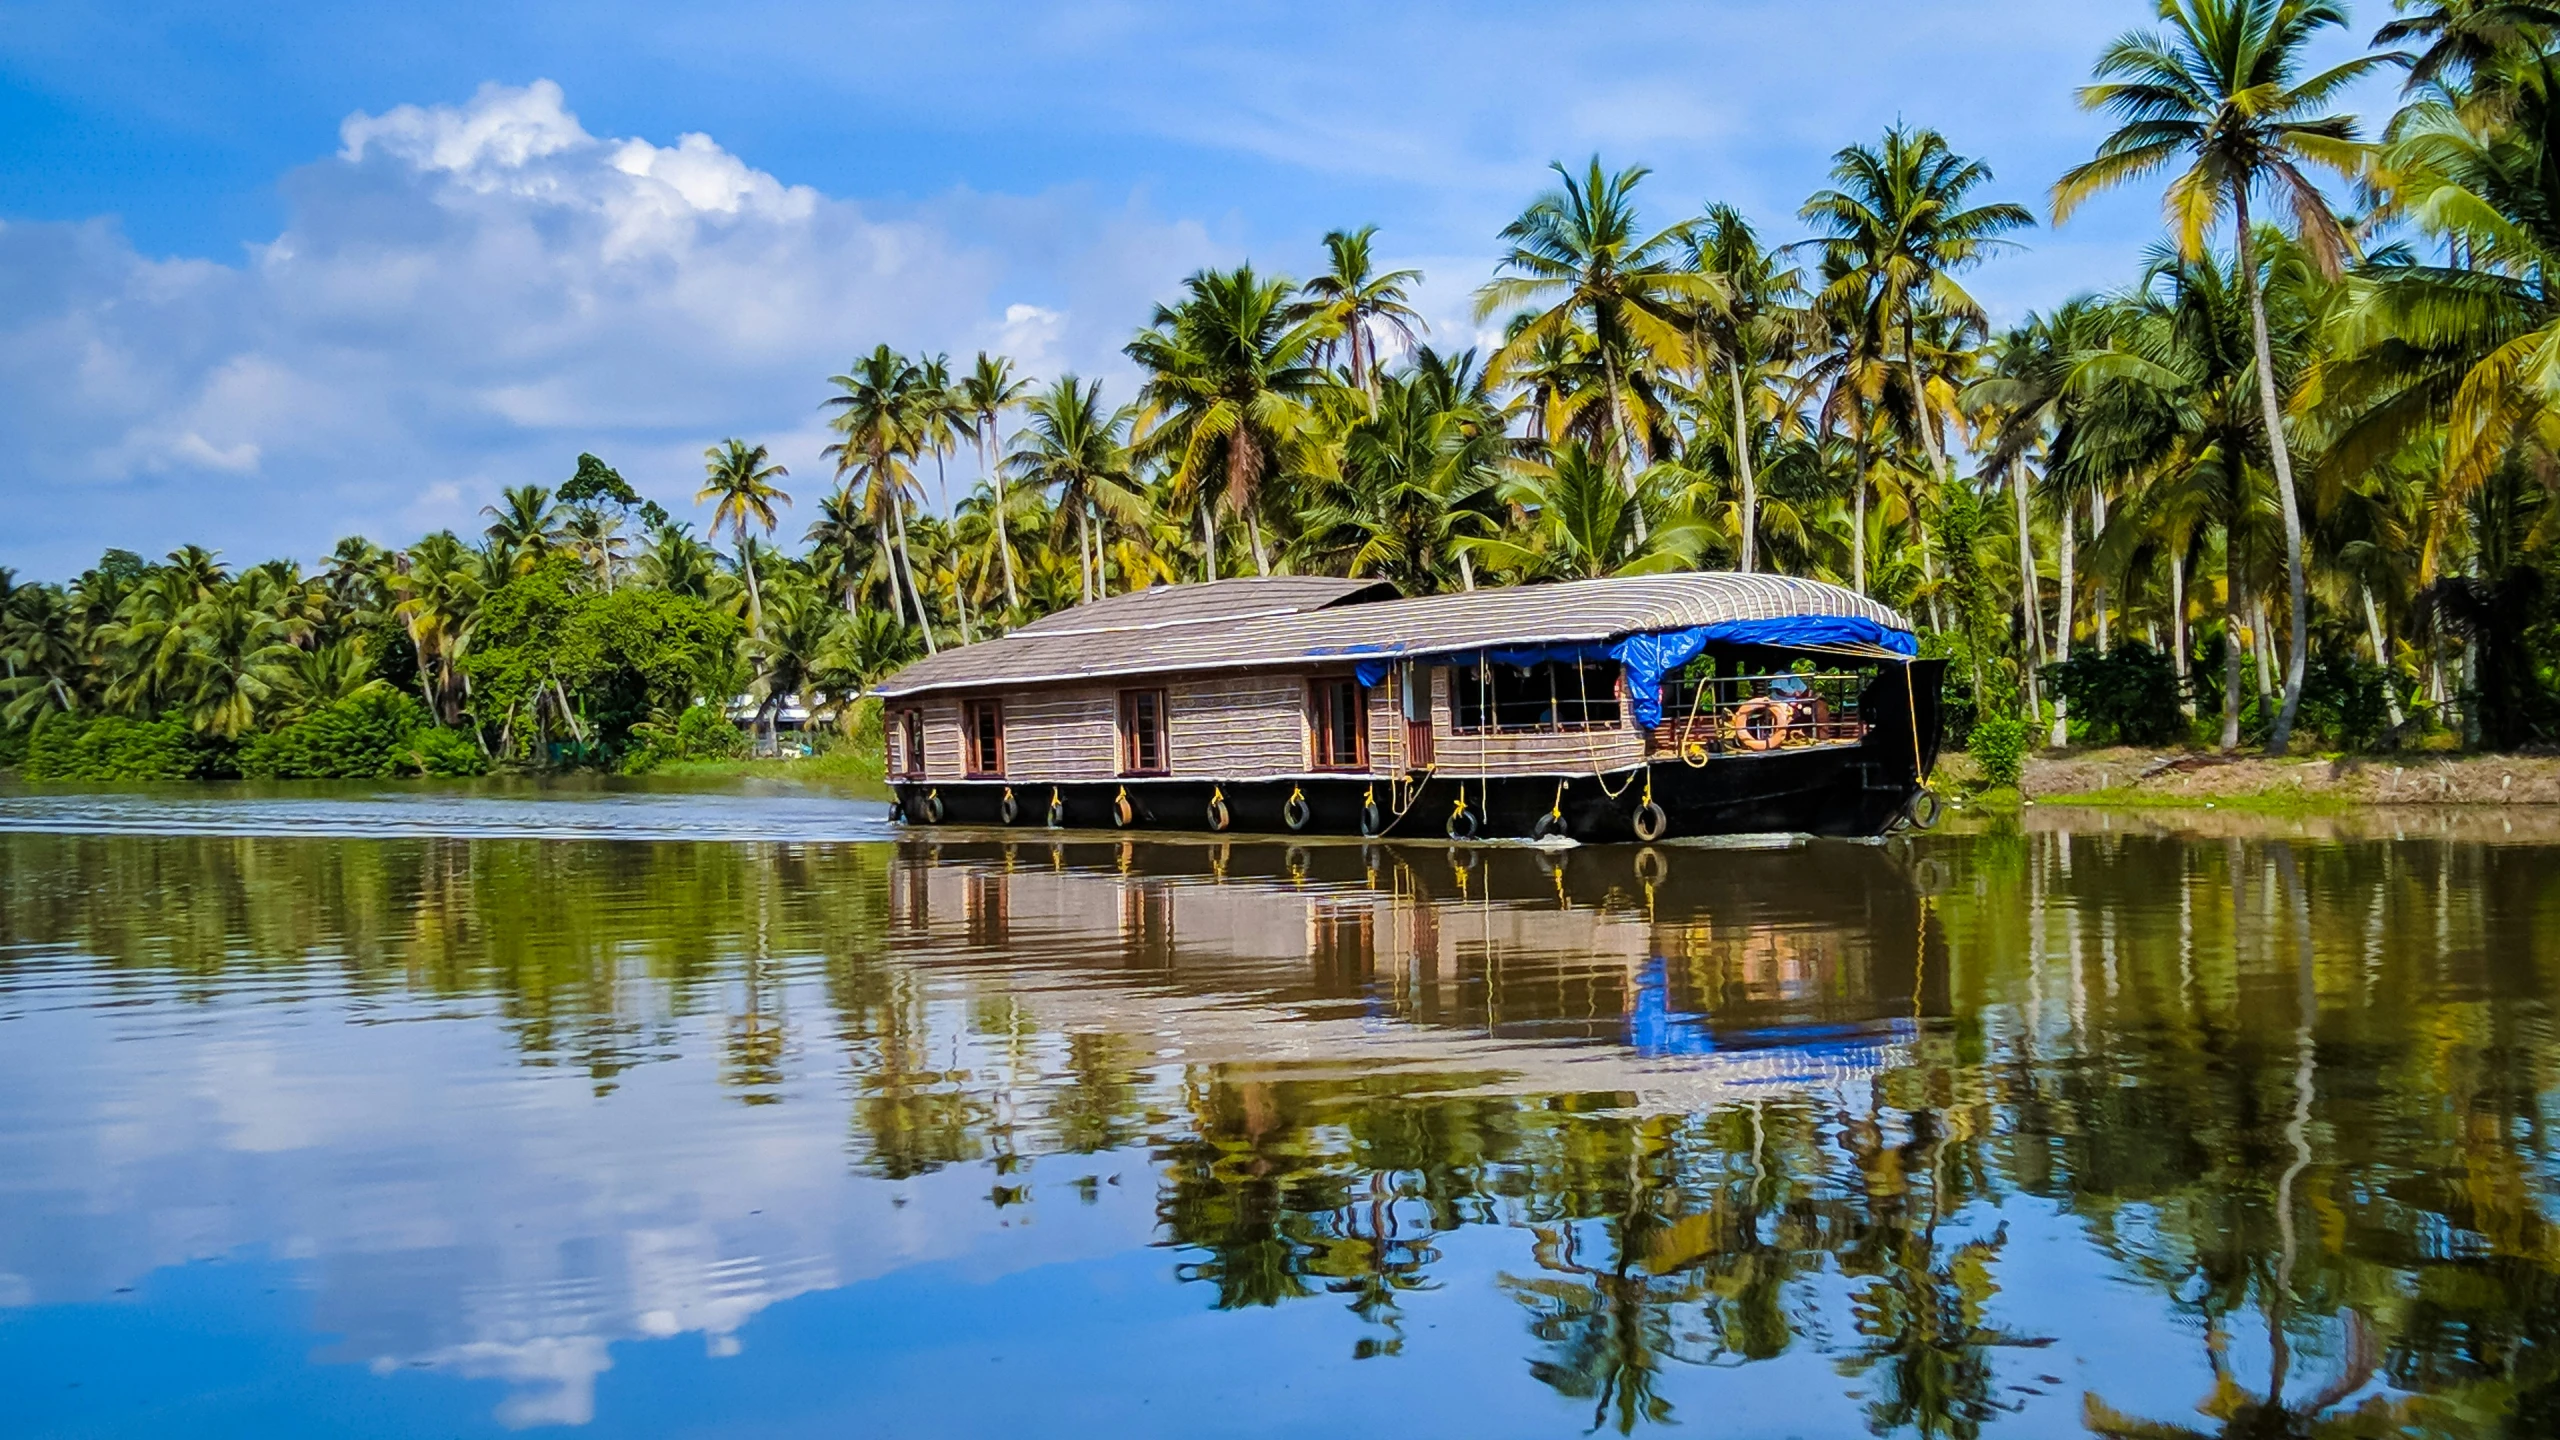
(2306, 457)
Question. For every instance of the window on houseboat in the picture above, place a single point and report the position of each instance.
(986, 737)
(1341, 724)
(1559, 695)
(906, 742)
(1142, 732)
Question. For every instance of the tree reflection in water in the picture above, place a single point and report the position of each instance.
(1724, 1108)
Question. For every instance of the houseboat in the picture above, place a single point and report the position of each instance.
(1632, 708)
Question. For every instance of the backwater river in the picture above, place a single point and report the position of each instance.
(644, 1110)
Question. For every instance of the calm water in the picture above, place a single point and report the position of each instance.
(2083, 1127)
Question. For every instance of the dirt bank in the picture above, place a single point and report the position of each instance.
(2130, 776)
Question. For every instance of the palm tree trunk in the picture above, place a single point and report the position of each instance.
(1101, 538)
(1084, 550)
(755, 597)
(1466, 570)
(2259, 629)
(2068, 555)
(2382, 657)
(1858, 521)
(2098, 595)
(907, 561)
(889, 558)
(2234, 598)
(1253, 532)
(2277, 450)
(1004, 530)
(2029, 610)
(1209, 537)
(2178, 626)
(1626, 443)
(1742, 467)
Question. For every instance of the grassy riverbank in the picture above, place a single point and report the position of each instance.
(2124, 776)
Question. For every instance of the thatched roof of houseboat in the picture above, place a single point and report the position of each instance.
(1299, 621)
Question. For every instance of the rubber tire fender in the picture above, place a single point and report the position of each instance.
(1220, 817)
(1651, 822)
(1297, 812)
(1549, 825)
(1009, 808)
(1057, 812)
(1372, 819)
(1462, 825)
(1124, 812)
(1923, 810)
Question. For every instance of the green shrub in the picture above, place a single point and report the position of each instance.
(113, 747)
(13, 745)
(359, 738)
(2129, 694)
(1999, 746)
(442, 752)
(700, 732)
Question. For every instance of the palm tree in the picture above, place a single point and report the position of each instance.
(1350, 298)
(523, 527)
(239, 657)
(739, 478)
(988, 391)
(2222, 87)
(1749, 336)
(1895, 232)
(677, 563)
(878, 407)
(1578, 251)
(1228, 381)
(1075, 446)
(1582, 524)
(437, 603)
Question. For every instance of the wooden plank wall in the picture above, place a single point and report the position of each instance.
(1238, 727)
(1243, 727)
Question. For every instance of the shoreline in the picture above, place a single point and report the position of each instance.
(2129, 778)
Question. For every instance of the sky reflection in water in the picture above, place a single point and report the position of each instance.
(2012, 1133)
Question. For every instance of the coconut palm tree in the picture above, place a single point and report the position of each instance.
(1579, 253)
(1582, 524)
(523, 527)
(879, 407)
(437, 591)
(1351, 298)
(1078, 448)
(1749, 336)
(738, 478)
(988, 391)
(1894, 233)
(1228, 381)
(2221, 88)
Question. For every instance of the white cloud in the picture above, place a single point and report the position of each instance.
(465, 297)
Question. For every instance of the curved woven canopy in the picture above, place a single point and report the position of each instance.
(1295, 622)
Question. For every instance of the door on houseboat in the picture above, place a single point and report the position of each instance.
(1413, 690)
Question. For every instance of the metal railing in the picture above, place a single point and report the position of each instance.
(1753, 714)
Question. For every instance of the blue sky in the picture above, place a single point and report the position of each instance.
(270, 275)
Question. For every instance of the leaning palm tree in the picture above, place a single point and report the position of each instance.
(988, 391)
(1351, 297)
(1079, 448)
(739, 478)
(1228, 381)
(2221, 88)
(1578, 253)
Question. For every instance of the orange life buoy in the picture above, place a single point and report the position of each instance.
(1772, 715)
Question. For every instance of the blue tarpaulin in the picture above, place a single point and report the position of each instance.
(1650, 657)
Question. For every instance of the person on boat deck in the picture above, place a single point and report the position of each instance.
(1807, 710)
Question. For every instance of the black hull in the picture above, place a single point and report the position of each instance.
(1838, 790)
